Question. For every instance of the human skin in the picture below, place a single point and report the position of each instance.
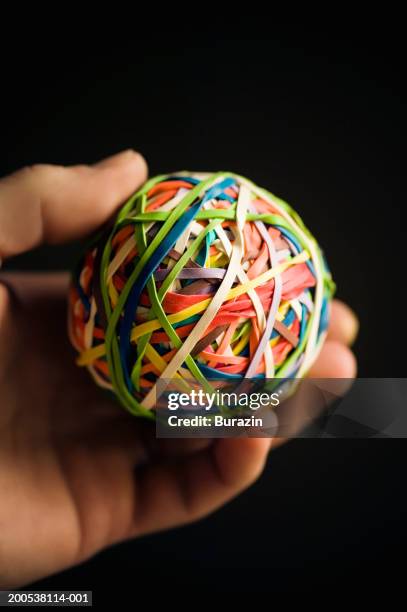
(77, 473)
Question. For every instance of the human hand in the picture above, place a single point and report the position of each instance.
(77, 473)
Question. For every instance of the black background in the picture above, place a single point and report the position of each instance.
(319, 119)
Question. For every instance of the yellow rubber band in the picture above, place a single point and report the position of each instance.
(88, 356)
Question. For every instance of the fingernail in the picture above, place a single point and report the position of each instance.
(118, 159)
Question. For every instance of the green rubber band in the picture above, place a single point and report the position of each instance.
(112, 348)
(134, 213)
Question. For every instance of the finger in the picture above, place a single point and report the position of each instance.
(174, 493)
(157, 449)
(166, 447)
(334, 361)
(343, 325)
(55, 203)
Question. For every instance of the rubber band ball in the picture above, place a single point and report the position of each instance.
(202, 277)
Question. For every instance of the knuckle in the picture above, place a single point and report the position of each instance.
(39, 172)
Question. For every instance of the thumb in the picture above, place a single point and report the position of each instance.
(45, 203)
